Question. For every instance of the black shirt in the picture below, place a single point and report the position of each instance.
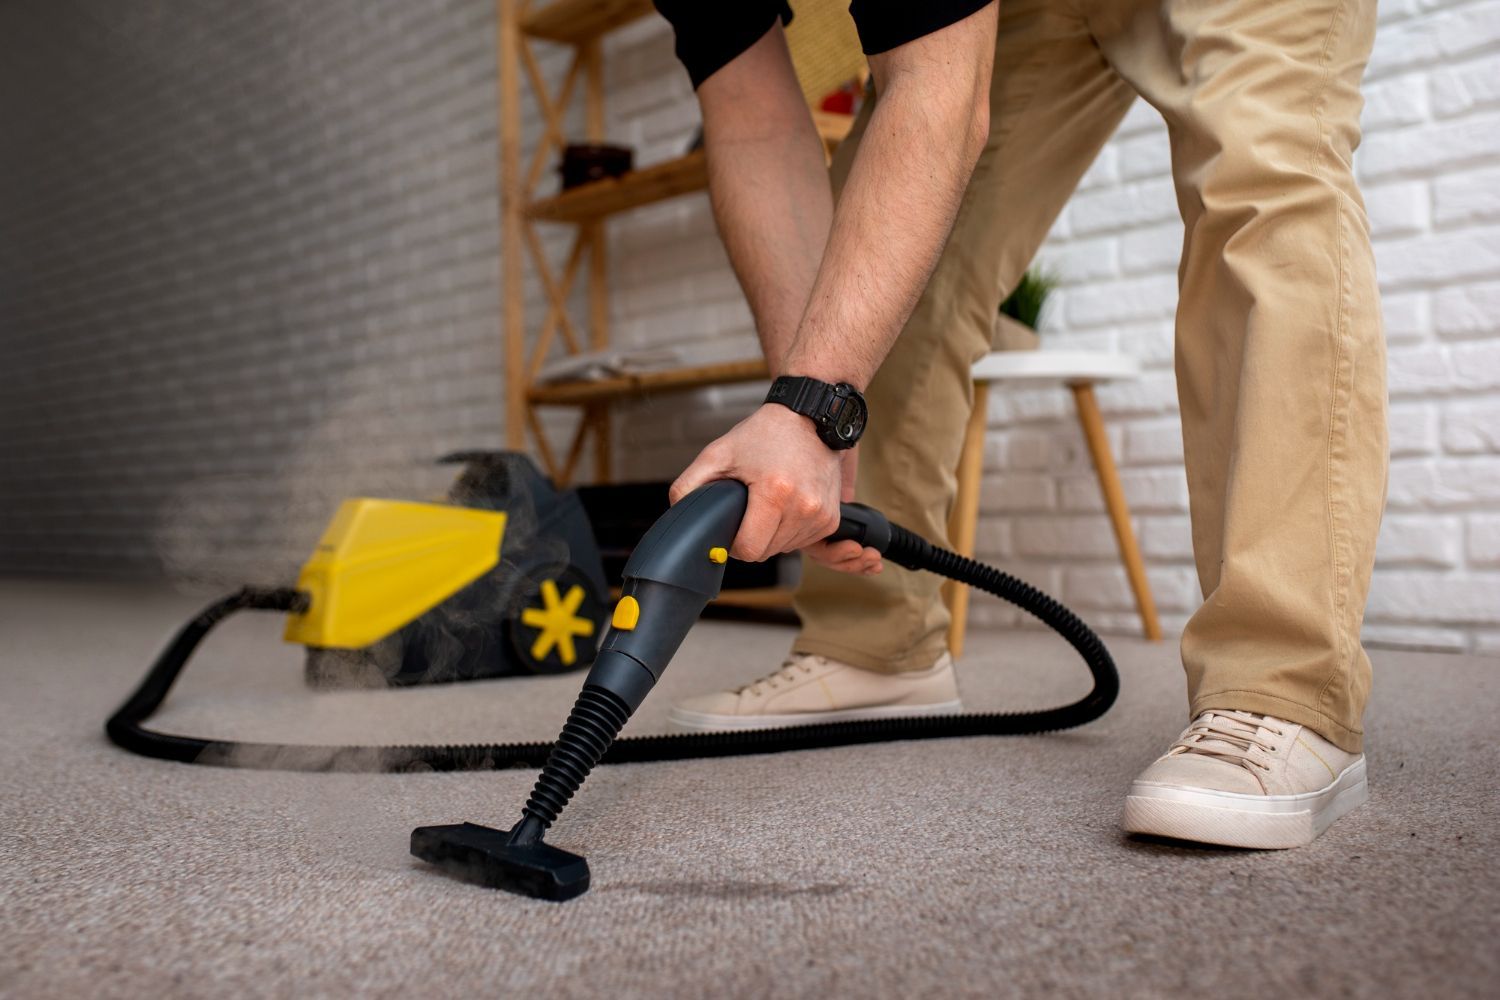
(711, 33)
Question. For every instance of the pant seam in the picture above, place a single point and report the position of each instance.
(1334, 482)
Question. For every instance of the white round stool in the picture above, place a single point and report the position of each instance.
(1078, 370)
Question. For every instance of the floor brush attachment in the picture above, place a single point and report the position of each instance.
(671, 576)
(518, 860)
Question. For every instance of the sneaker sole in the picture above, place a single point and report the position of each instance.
(1231, 819)
(703, 722)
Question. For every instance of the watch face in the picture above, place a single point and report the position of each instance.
(849, 419)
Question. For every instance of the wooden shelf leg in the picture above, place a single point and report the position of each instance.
(592, 54)
(964, 519)
(508, 51)
(598, 340)
(1114, 500)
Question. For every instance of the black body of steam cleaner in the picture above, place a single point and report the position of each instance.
(671, 576)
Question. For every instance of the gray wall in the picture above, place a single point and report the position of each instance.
(248, 259)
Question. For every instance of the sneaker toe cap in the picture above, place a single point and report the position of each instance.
(1195, 771)
(715, 703)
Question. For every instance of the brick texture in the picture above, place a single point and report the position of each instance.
(249, 264)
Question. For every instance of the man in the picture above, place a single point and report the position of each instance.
(1280, 354)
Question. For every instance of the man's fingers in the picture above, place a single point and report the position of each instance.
(830, 553)
(782, 517)
(686, 483)
(705, 469)
(839, 555)
(802, 529)
(845, 557)
(803, 516)
(757, 530)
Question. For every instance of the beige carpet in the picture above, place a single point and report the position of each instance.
(952, 868)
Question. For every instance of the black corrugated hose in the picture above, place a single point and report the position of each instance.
(906, 549)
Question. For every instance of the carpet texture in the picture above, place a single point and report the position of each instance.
(979, 867)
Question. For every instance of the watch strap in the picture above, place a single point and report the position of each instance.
(799, 393)
(837, 411)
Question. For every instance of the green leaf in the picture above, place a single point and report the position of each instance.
(1024, 304)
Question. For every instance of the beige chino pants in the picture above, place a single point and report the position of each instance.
(1280, 353)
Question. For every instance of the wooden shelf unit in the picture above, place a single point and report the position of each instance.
(580, 25)
(586, 391)
(598, 199)
(575, 21)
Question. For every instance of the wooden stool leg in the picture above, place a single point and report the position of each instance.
(1114, 500)
(965, 516)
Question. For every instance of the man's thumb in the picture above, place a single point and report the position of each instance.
(692, 477)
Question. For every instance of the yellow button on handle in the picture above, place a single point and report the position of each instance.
(627, 613)
(718, 554)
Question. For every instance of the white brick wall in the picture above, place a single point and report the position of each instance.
(247, 266)
(1430, 166)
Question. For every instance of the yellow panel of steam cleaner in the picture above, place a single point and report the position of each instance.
(381, 563)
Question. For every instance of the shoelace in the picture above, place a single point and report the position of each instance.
(1231, 736)
(790, 668)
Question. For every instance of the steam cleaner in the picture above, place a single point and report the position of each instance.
(382, 564)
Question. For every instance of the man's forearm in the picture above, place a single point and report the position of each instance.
(921, 142)
(832, 305)
(898, 205)
(769, 185)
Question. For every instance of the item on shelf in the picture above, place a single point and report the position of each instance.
(592, 366)
(844, 100)
(584, 163)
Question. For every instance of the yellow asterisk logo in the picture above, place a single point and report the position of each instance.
(557, 622)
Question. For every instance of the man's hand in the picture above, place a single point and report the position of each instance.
(847, 556)
(794, 481)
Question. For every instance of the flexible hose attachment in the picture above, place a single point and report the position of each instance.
(597, 718)
(586, 738)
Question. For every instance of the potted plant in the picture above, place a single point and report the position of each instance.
(1016, 325)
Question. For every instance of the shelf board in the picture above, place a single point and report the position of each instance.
(575, 21)
(597, 199)
(756, 598)
(749, 598)
(668, 380)
(684, 175)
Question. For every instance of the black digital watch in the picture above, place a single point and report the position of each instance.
(837, 411)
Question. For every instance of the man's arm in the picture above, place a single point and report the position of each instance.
(768, 182)
(892, 219)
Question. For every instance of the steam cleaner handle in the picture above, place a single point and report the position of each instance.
(674, 572)
(872, 529)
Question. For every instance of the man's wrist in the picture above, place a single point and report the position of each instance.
(797, 425)
(837, 411)
(830, 370)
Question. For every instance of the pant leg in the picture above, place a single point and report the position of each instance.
(1280, 350)
(1053, 104)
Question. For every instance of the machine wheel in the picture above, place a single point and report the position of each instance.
(559, 624)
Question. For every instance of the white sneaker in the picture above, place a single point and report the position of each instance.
(1245, 780)
(809, 689)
